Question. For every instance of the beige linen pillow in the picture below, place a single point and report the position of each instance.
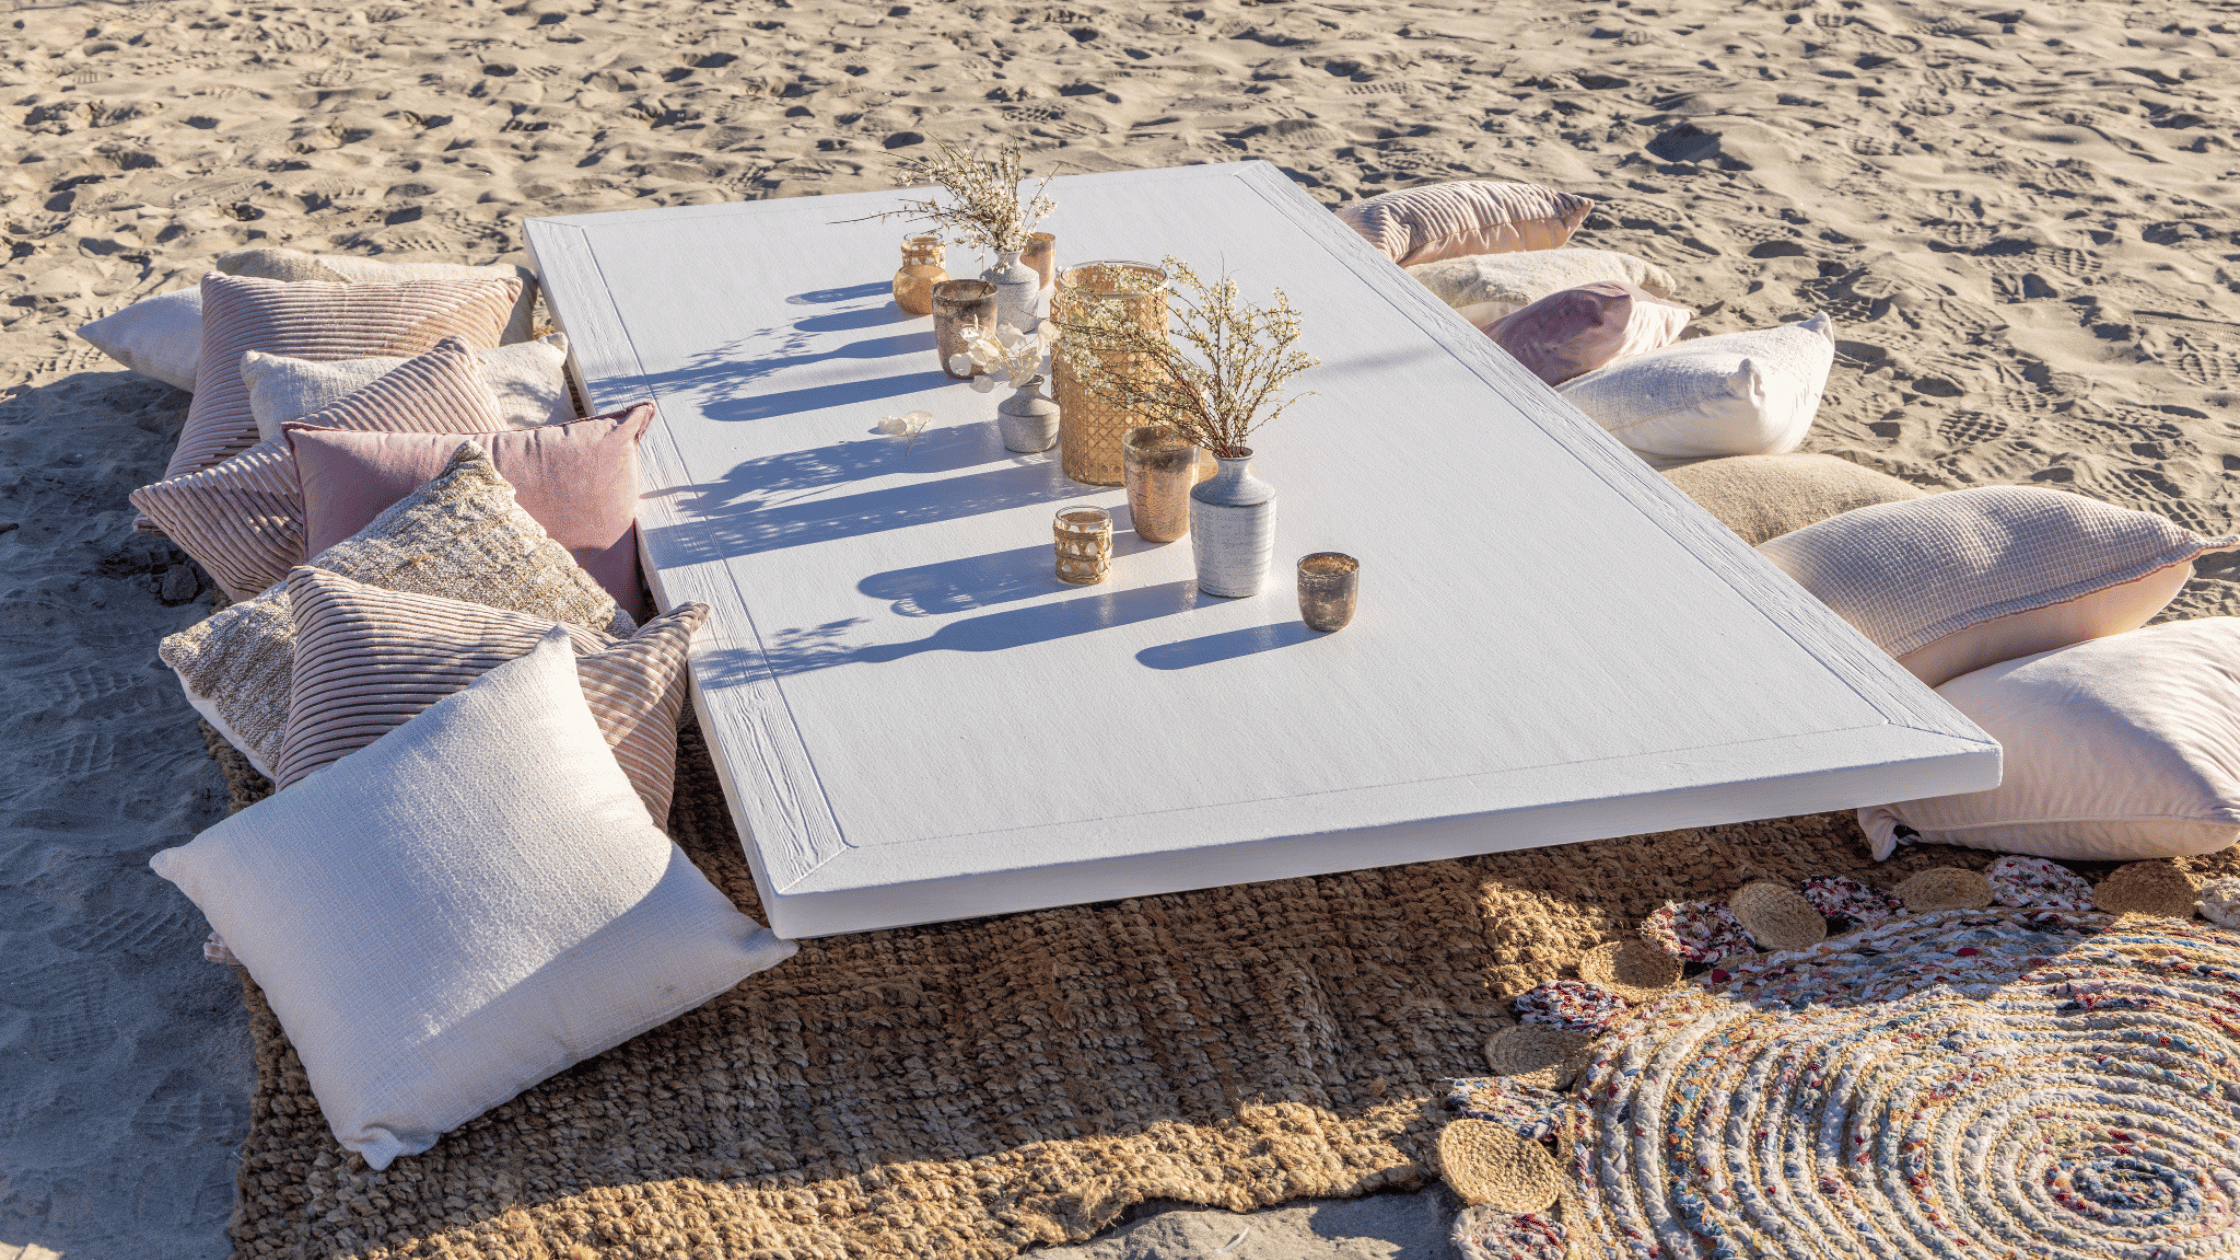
(1486, 287)
(466, 907)
(158, 336)
(2115, 749)
(1762, 497)
(243, 519)
(1953, 582)
(368, 660)
(460, 536)
(1745, 393)
(1465, 216)
(527, 381)
(294, 265)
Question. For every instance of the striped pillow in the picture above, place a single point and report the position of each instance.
(243, 519)
(1466, 216)
(312, 320)
(368, 660)
(271, 263)
(460, 536)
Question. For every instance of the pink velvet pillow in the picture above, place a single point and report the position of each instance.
(1574, 332)
(579, 481)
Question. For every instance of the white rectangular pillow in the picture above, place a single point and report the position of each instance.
(1746, 393)
(528, 378)
(159, 336)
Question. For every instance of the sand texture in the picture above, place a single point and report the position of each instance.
(2019, 217)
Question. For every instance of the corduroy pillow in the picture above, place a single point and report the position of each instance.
(1953, 582)
(293, 265)
(1746, 393)
(528, 381)
(158, 336)
(1486, 287)
(1574, 332)
(464, 908)
(312, 320)
(460, 536)
(1465, 216)
(2116, 749)
(368, 660)
(243, 519)
(1762, 497)
(580, 481)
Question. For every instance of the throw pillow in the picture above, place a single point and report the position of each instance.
(243, 519)
(1465, 216)
(1762, 497)
(2116, 749)
(580, 481)
(158, 336)
(1953, 582)
(317, 321)
(1574, 332)
(1747, 393)
(368, 660)
(528, 380)
(1485, 287)
(294, 265)
(460, 536)
(464, 908)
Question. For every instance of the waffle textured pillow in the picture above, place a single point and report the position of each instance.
(294, 265)
(1747, 393)
(528, 381)
(243, 519)
(460, 536)
(1466, 216)
(2115, 750)
(474, 902)
(1574, 332)
(368, 660)
(1486, 287)
(1762, 497)
(159, 336)
(1953, 582)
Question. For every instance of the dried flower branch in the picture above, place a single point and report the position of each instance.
(987, 209)
(1016, 354)
(1216, 396)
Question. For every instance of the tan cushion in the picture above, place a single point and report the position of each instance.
(460, 536)
(1765, 496)
(1486, 287)
(1465, 216)
(271, 263)
(2116, 749)
(368, 660)
(1989, 567)
(317, 321)
(243, 519)
(528, 380)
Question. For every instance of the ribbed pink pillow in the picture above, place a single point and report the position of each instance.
(1574, 332)
(1465, 216)
(579, 481)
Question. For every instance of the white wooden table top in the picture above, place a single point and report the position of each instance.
(917, 722)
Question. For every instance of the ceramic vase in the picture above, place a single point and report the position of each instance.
(1233, 529)
(1027, 420)
(1017, 288)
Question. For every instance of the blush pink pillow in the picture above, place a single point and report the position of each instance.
(579, 481)
(1574, 332)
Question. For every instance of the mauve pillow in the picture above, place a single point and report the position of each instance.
(1574, 332)
(579, 481)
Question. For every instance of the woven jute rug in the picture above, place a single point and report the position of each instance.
(972, 1089)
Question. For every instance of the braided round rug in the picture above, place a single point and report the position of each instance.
(1966, 1083)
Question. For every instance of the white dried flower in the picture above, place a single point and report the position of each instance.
(909, 424)
(987, 209)
(1018, 355)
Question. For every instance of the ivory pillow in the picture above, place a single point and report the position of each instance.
(2115, 749)
(158, 336)
(1578, 330)
(1465, 216)
(1953, 582)
(1762, 497)
(294, 265)
(368, 660)
(528, 382)
(1485, 287)
(464, 908)
(1747, 393)
(460, 536)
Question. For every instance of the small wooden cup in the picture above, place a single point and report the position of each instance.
(1329, 587)
(1084, 541)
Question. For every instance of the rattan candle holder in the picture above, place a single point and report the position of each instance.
(1090, 428)
(1084, 541)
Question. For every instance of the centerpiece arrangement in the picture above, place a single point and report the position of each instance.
(985, 206)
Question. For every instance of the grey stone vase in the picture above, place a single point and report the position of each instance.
(1233, 529)
(1027, 420)
(1017, 288)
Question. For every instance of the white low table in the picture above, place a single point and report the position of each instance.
(915, 721)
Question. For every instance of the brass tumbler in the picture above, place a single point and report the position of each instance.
(1161, 465)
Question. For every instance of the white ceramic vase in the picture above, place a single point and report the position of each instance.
(1027, 420)
(1233, 529)
(1018, 288)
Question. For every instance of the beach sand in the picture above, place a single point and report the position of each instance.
(2017, 215)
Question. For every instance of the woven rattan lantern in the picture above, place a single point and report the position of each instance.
(1090, 428)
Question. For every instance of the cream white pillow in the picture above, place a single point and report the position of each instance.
(1953, 582)
(528, 379)
(468, 905)
(1747, 393)
(158, 336)
(2116, 749)
(1485, 287)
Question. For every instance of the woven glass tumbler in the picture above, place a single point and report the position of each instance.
(1084, 540)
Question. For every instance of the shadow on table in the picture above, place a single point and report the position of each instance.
(725, 382)
(1226, 646)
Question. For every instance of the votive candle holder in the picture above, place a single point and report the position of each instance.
(1329, 588)
(1084, 541)
(1042, 255)
(958, 305)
